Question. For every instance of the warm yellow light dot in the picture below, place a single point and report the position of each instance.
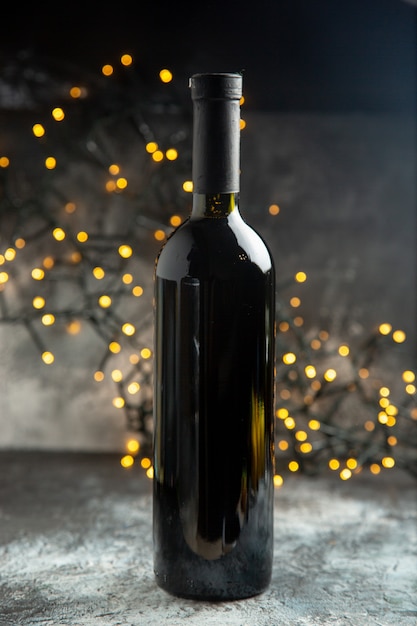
(283, 326)
(295, 302)
(107, 70)
(133, 446)
(330, 375)
(324, 335)
(316, 385)
(334, 464)
(137, 291)
(70, 207)
(301, 435)
(310, 371)
(391, 409)
(98, 376)
(345, 474)
(158, 155)
(165, 75)
(150, 473)
(114, 169)
(298, 321)
(4, 277)
(117, 375)
(82, 236)
(171, 154)
(151, 146)
(187, 186)
(145, 462)
(293, 466)
(128, 329)
(58, 114)
(104, 301)
(126, 59)
(20, 243)
(175, 220)
(145, 353)
(282, 413)
(369, 426)
(314, 425)
(289, 423)
(75, 92)
(363, 373)
(121, 183)
(283, 445)
(385, 328)
(50, 163)
(127, 460)
(411, 389)
(159, 235)
(10, 254)
(391, 421)
(98, 273)
(388, 462)
(399, 336)
(125, 251)
(48, 262)
(59, 233)
(306, 447)
(133, 388)
(48, 319)
(273, 209)
(352, 463)
(48, 357)
(242, 124)
(375, 468)
(382, 417)
(384, 392)
(74, 327)
(289, 358)
(134, 359)
(110, 186)
(343, 350)
(392, 441)
(4, 161)
(408, 376)
(38, 302)
(38, 130)
(300, 277)
(278, 481)
(315, 344)
(118, 402)
(127, 279)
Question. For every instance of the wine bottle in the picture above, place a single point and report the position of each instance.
(214, 375)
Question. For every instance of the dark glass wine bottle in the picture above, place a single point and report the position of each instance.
(214, 373)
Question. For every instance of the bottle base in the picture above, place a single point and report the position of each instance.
(191, 590)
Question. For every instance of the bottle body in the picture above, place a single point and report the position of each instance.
(213, 409)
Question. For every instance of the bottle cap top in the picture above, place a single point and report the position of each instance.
(219, 86)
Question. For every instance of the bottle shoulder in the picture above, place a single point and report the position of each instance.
(207, 245)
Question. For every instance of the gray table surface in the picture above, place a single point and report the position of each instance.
(76, 550)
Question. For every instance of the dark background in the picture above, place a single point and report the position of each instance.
(330, 90)
(347, 55)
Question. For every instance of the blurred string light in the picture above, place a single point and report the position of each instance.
(51, 237)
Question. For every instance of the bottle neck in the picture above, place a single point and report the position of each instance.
(217, 205)
(216, 147)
